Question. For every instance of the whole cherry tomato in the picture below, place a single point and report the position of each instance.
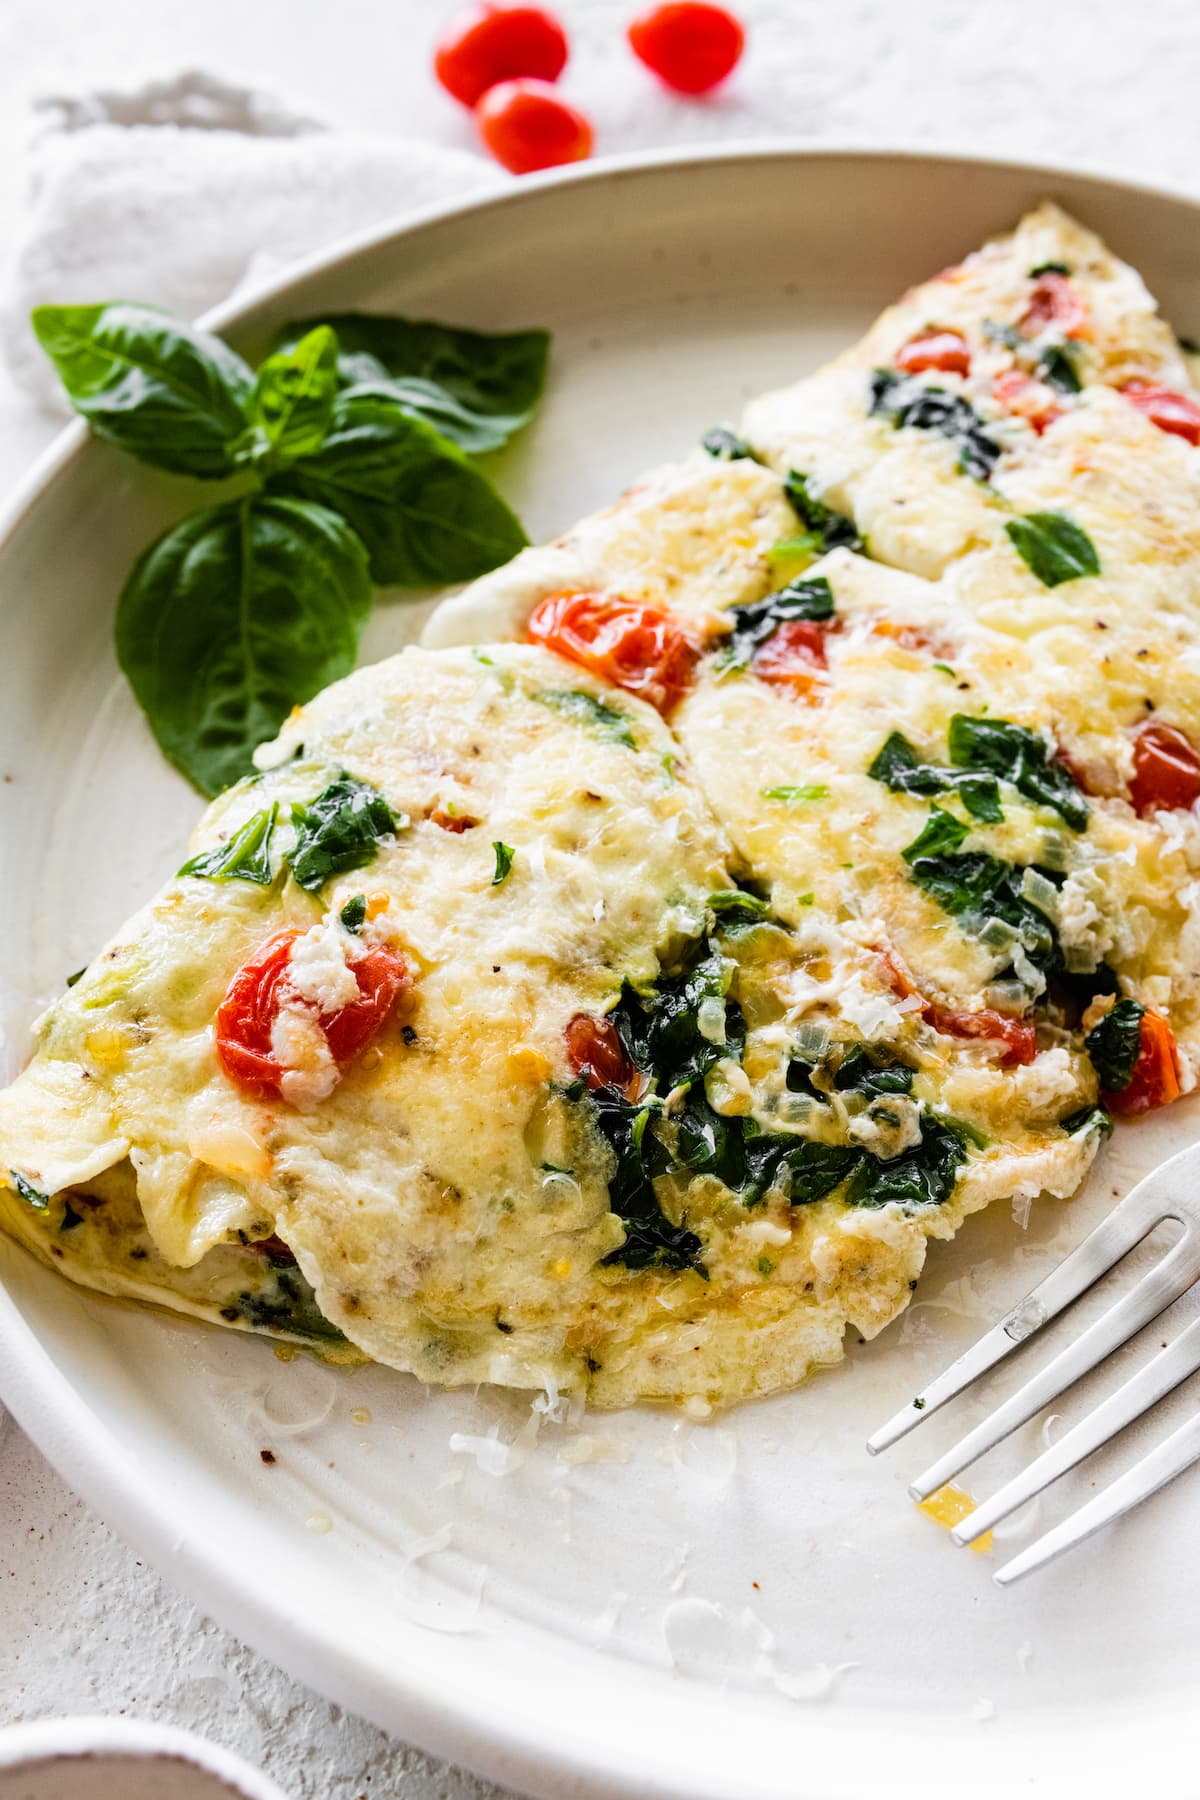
(638, 648)
(1170, 411)
(259, 991)
(594, 1049)
(1166, 769)
(1155, 1078)
(946, 351)
(689, 44)
(527, 125)
(493, 42)
(793, 656)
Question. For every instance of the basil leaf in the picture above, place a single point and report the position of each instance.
(341, 829)
(354, 913)
(907, 403)
(246, 856)
(899, 768)
(150, 384)
(922, 1176)
(504, 862)
(651, 1240)
(233, 617)
(1017, 755)
(292, 403)
(574, 703)
(1115, 1044)
(476, 388)
(1087, 1118)
(425, 512)
(940, 834)
(26, 1191)
(832, 529)
(1054, 547)
(726, 445)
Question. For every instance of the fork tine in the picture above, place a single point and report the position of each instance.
(1155, 1291)
(1142, 1391)
(1154, 1471)
(1126, 1226)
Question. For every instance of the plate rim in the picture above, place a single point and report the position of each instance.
(61, 1424)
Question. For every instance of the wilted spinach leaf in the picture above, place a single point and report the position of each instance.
(907, 403)
(1115, 1044)
(246, 856)
(940, 834)
(341, 829)
(1087, 1118)
(31, 1195)
(726, 445)
(1054, 547)
(899, 767)
(922, 1176)
(1017, 755)
(651, 1240)
(832, 530)
(808, 599)
(574, 703)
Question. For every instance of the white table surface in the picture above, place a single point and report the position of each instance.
(86, 1626)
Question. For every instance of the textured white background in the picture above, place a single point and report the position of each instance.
(84, 1626)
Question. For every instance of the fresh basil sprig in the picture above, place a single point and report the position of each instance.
(355, 434)
(234, 616)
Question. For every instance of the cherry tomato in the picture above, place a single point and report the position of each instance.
(258, 992)
(638, 648)
(1166, 770)
(1019, 1036)
(793, 656)
(1170, 411)
(594, 1049)
(493, 42)
(690, 45)
(527, 125)
(944, 350)
(1155, 1078)
(1028, 398)
(1056, 301)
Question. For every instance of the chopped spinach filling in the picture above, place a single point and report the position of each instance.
(246, 856)
(977, 889)
(287, 1304)
(585, 709)
(807, 599)
(1087, 1118)
(1017, 755)
(830, 530)
(906, 403)
(899, 767)
(32, 1196)
(1115, 1044)
(341, 829)
(726, 445)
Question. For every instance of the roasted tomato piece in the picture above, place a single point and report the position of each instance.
(639, 648)
(947, 351)
(594, 1049)
(259, 991)
(1170, 411)
(1019, 1036)
(1166, 770)
(1031, 400)
(1055, 301)
(793, 656)
(1155, 1078)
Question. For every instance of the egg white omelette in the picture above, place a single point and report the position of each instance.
(617, 993)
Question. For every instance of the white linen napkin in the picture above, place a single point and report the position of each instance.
(190, 190)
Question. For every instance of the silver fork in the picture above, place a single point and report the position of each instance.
(1171, 1192)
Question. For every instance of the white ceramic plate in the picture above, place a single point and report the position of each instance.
(747, 1608)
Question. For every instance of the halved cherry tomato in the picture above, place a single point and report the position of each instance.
(491, 43)
(689, 45)
(1056, 301)
(258, 992)
(638, 648)
(1031, 400)
(793, 655)
(1170, 411)
(1166, 769)
(944, 350)
(1155, 1078)
(1019, 1036)
(527, 125)
(594, 1049)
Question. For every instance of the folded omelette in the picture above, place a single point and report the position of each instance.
(617, 992)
